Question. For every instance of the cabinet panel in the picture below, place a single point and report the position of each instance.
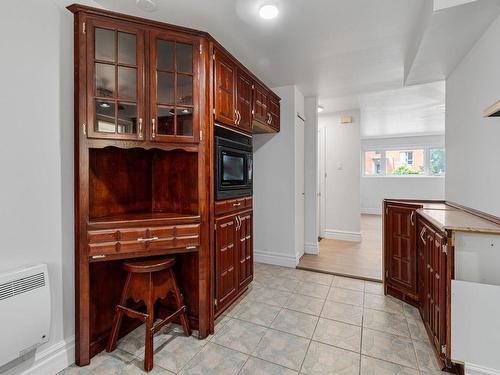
(244, 101)
(225, 261)
(174, 87)
(274, 112)
(224, 95)
(245, 251)
(401, 259)
(260, 103)
(115, 80)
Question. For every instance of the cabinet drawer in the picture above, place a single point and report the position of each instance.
(128, 240)
(232, 205)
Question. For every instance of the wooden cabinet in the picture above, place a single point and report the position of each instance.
(225, 88)
(432, 281)
(417, 270)
(260, 104)
(400, 255)
(174, 87)
(244, 90)
(225, 261)
(239, 101)
(115, 80)
(274, 113)
(233, 257)
(118, 91)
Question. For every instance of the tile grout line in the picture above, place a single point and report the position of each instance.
(316, 326)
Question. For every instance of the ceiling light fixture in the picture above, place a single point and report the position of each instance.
(146, 5)
(268, 11)
(104, 105)
(320, 108)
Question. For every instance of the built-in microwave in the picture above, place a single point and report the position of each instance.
(233, 164)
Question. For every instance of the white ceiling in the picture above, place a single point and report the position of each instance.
(338, 50)
(413, 110)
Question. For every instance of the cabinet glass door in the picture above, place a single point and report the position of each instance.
(115, 101)
(174, 87)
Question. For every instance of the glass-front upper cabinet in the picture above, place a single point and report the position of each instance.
(174, 87)
(115, 80)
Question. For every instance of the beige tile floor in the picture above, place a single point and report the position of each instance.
(290, 322)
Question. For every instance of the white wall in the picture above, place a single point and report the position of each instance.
(36, 160)
(374, 189)
(342, 167)
(311, 176)
(275, 187)
(472, 142)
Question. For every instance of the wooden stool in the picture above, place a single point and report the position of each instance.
(148, 281)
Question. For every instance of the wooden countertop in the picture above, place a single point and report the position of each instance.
(450, 218)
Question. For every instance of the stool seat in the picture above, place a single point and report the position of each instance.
(146, 266)
(149, 281)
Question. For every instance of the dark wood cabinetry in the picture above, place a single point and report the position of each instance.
(433, 284)
(225, 88)
(400, 240)
(233, 252)
(418, 270)
(241, 102)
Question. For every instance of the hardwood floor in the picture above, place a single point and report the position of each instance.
(361, 260)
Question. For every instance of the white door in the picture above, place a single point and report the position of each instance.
(299, 186)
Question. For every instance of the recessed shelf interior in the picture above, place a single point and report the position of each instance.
(138, 183)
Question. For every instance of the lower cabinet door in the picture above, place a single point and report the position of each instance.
(400, 251)
(245, 249)
(226, 282)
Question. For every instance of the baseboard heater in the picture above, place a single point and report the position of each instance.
(24, 311)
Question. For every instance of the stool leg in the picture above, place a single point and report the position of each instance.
(148, 350)
(117, 320)
(180, 302)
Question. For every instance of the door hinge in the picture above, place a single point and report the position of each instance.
(84, 28)
(213, 56)
(201, 135)
(253, 112)
(213, 111)
(215, 302)
(387, 210)
(253, 87)
(84, 128)
(386, 273)
(445, 249)
(201, 49)
(443, 349)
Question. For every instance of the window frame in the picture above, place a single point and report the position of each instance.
(403, 148)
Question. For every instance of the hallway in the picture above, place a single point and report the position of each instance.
(355, 259)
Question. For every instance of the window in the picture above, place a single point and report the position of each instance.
(414, 161)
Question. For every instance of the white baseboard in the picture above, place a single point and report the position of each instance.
(277, 259)
(371, 211)
(311, 248)
(471, 369)
(51, 360)
(342, 235)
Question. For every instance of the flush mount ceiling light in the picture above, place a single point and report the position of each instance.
(268, 11)
(146, 5)
(320, 108)
(104, 105)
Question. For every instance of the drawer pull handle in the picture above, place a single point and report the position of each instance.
(147, 239)
(100, 256)
(190, 247)
(236, 204)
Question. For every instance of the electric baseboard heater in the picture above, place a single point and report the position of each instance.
(24, 311)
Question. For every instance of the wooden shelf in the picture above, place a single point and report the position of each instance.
(146, 218)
